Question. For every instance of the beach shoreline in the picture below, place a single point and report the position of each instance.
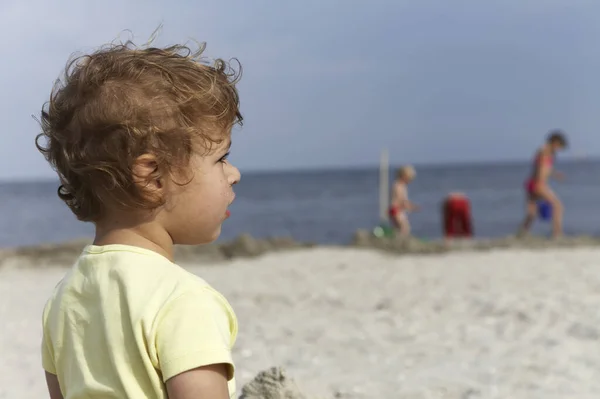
(246, 246)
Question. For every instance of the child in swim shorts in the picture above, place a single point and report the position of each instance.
(139, 138)
(400, 205)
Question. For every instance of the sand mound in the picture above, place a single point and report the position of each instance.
(271, 384)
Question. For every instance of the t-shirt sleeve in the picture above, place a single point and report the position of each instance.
(47, 357)
(46, 345)
(196, 329)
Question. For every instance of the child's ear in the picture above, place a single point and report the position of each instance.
(146, 174)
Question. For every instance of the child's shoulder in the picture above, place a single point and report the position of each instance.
(135, 271)
(141, 267)
(144, 279)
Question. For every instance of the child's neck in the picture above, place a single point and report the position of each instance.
(149, 236)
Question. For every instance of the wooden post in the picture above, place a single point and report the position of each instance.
(384, 182)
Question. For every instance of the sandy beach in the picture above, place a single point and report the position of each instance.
(358, 323)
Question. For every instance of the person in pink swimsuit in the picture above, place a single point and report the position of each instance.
(537, 187)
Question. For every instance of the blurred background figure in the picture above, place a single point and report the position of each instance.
(400, 204)
(456, 216)
(540, 198)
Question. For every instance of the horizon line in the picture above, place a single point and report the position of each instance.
(340, 168)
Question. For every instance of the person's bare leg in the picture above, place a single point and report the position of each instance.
(557, 219)
(402, 225)
(406, 228)
(530, 215)
(557, 210)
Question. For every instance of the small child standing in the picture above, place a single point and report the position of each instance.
(400, 204)
(140, 139)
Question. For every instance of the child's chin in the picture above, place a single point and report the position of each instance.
(214, 237)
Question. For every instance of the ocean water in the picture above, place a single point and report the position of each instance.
(328, 206)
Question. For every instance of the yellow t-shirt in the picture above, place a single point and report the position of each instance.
(124, 320)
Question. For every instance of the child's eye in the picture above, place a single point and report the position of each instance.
(224, 158)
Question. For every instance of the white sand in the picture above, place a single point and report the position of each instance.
(501, 324)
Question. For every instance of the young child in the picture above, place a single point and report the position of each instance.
(537, 188)
(400, 204)
(140, 138)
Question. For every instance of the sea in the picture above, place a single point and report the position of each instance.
(328, 206)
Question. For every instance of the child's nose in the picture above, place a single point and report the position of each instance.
(234, 175)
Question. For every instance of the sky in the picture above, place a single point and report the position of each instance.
(330, 83)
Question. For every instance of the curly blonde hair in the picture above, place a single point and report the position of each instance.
(121, 102)
(406, 171)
